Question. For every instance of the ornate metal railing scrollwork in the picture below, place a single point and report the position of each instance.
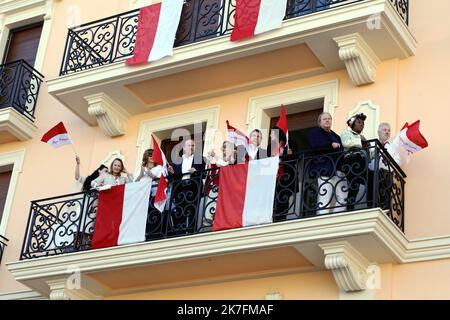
(308, 184)
(19, 87)
(112, 39)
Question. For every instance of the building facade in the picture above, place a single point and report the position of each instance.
(63, 60)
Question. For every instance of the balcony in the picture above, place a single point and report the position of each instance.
(303, 236)
(3, 244)
(328, 35)
(19, 90)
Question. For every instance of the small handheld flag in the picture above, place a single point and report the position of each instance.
(57, 136)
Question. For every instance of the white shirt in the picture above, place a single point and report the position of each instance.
(187, 165)
(392, 150)
(157, 172)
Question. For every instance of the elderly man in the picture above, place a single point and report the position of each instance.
(384, 171)
(186, 191)
(327, 147)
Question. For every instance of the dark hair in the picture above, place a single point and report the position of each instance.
(94, 175)
(361, 116)
(256, 130)
(147, 154)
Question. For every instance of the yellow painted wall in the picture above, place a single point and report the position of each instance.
(406, 90)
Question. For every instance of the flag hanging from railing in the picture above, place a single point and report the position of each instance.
(253, 17)
(157, 28)
(246, 194)
(121, 215)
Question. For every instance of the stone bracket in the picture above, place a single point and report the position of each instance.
(111, 117)
(63, 289)
(360, 60)
(349, 267)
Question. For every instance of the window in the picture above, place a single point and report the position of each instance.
(23, 44)
(5, 178)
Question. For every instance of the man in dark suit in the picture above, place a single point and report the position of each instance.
(187, 174)
(256, 152)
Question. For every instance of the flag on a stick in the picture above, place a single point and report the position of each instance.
(237, 137)
(410, 138)
(57, 136)
(161, 191)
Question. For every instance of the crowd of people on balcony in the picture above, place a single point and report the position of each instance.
(338, 165)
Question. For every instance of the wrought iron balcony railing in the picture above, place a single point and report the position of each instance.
(311, 184)
(19, 87)
(3, 244)
(112, 39)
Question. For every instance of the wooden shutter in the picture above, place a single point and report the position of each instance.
(5, 178)
(23, 44)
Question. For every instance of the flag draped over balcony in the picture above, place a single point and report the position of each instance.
(57, 136)
(257, 16)
(121, 215)
(246, 194)
(157, 27)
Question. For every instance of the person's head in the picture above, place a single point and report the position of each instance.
(147, 159)
(228, 149)
(188, 147)
(356, 122)
(94, 175)
(116, 167)
(384, 132)
(256, 137)
(277, 135)
(325, 121)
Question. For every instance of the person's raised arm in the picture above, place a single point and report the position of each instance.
(77, 168)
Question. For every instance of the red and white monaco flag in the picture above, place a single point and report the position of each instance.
(282, 124)
(121, 215)
(410, 138)
(237, 137)
(157, 28)
(257, 16)
(57, 136)
(246, 194)
(161, 192)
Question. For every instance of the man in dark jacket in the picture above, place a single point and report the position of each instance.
(323, 165)
(187, 189)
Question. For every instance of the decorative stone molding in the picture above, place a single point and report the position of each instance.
(111, 156)
(259, 107)
(208, 115)
(372, 111)
(359, 58)
(59, 290)
(274, 296)
(111, 117)
(349, 267)
(16, 124)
